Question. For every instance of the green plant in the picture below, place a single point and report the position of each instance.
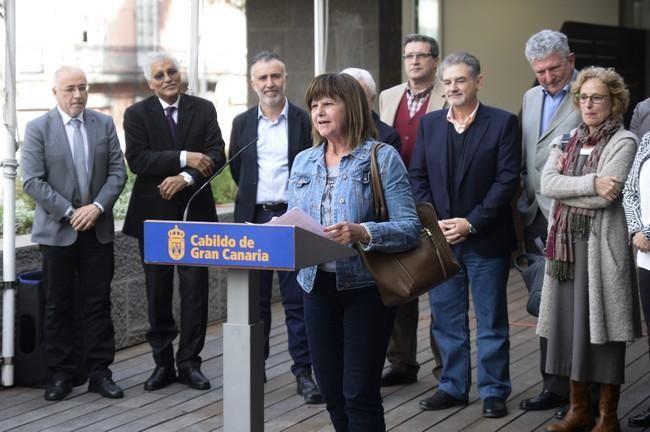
(24, 211)
(224, 188)
(122, 203)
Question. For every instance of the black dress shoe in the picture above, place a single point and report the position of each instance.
(493, 407)
(106, 387)
(161, 377)
(57, 388)
(394, 377)
(640, 420)
(543, 401)
(307, 388)
(441, 400)
(194, 378)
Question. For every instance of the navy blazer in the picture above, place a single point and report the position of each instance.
(489, 175)
(387, 134)
(244, 168)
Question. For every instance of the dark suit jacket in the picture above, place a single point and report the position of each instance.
(153, 155)
(244, 168)
(489, 175)
(386, 134)
(48, 175)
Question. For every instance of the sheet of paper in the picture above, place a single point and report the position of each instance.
(299, 218)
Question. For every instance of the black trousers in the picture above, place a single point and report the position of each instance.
(77, 282)
(644, 291)
(193, 290)
(292, 301)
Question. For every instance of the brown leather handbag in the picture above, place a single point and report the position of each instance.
(403, 276)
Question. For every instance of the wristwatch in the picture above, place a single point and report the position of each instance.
(472, 230)
(68, 213)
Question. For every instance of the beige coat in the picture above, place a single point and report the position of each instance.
(608, 262)
(390, 99)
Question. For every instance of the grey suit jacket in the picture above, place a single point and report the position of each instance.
(536, 147)
(640, 123)
(389, 100)
(48, 175)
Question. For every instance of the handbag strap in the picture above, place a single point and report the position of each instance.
(377, 189)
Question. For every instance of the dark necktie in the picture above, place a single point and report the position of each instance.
(80, 162)
(169, 114)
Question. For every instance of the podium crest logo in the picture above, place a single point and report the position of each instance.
(176, 243)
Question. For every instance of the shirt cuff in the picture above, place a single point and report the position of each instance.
(183, 159)
(69, 213)
(188, 178)
(366, 246)
(99, 206)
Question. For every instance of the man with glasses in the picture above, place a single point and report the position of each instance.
(173, 145)
(402, 107)
(73, 168)
(547, 112)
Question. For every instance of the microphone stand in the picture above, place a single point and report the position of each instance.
(212, 177)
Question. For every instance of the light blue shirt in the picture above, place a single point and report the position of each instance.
(550, 105)
(352, 202)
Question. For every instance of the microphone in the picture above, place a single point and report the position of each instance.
(219, 171)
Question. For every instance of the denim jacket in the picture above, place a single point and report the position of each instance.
(354, 203)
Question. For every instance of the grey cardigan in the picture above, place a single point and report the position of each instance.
(609, 258)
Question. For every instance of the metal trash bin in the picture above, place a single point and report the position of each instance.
(30, 368)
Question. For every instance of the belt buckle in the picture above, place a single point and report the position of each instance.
(272, 206)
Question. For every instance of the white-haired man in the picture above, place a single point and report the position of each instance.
(547, 112)
(173, 144)
(386, 133)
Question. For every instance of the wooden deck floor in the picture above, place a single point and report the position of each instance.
(178, 408)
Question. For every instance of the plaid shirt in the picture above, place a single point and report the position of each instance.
(415, 101)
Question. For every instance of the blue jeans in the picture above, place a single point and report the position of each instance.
(487, 278)
(348, 334)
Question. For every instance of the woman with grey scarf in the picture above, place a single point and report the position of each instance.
(586, 307)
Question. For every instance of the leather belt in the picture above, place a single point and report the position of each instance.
(272, 206)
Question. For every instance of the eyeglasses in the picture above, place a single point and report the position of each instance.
(81, 88)
(596, 99)
(416, 56)
(171, 73)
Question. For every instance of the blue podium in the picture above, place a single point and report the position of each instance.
(240, 248)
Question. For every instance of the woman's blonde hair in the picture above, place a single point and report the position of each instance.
(618, 93)
(360, 125)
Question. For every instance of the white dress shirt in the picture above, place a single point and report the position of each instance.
(272, 157)
(69, 132)
(183, 157)
(643, 258)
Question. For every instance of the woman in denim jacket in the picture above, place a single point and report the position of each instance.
(347, 324)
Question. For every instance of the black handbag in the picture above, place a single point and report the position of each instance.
(533, 276)
(403, 276)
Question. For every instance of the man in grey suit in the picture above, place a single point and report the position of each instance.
(640, 123)
(547, 112)
(402, 107)
(74, 169)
